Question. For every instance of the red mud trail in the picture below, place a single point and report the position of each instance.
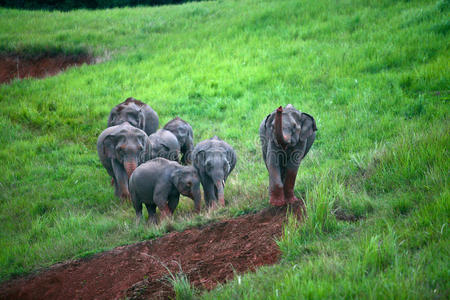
(207, 255)
(13, 66)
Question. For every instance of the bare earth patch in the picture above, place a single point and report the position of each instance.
(14, 66)
(208, 256)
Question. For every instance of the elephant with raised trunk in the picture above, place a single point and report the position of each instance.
(121, 150)
(159, 183)
(214, 160)
(286, 137)
(164, 144)
(135, 112)
(185, 135)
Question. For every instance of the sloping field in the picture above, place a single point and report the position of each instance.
(374, 74)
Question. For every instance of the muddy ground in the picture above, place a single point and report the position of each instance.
(16, 66)
(208, 255)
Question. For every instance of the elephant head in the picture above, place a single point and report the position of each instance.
(164, 144)
(289, 126)
(187, 182)
(121, 149)
(131, 111)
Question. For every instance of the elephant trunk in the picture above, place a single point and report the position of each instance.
(130, 166)
(220, 193)
(279, 127)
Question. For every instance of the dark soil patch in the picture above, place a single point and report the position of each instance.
(15, 66)
(342, 215)
(208, 255)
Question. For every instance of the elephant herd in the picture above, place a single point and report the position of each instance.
(153, 167)
(144, 162)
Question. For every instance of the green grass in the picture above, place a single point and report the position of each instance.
(374, 74)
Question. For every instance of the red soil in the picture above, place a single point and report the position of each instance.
(13, 66)
(208, 256)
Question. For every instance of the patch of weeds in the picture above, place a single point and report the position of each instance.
(380, 251)
(401, 205)
(183, 289)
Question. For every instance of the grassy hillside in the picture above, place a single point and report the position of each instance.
(374, 74)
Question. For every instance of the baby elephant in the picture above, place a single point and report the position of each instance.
(214, 160)
(159, 183)
(121, 149)
(183, 131)
(164, 144)
(135, 112)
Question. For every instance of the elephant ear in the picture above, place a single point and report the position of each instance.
(308, 126)
(111, 117)
(109, 146)
(176, 176)
(198, 157)
(231, 159)
(269, 119)
(146, 150)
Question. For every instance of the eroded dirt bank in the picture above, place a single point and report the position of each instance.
(15, 66)
(208, 255)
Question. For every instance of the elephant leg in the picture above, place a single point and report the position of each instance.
(289, 183)
(160, 198)
(165, 211)
(173, 202)
(138, 208)
(275, 184)
(151, 209)
(293, 163)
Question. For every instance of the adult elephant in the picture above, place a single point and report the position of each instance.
(214, 159)
(286, 137)
(121, 149)
(185, 136)
(135, 112)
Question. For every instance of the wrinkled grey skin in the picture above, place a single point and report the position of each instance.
(159, 183)
(286, 137)
(121, 150)
(214, 160)
(164, 144)
(135, 112)
(185, 135)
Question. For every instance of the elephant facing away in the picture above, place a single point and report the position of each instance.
(164, 144)
(286, 137)
(121, 149)
(159, 183)
(185, 135)
(214, 160)
(135, 112)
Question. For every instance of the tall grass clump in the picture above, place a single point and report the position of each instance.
(179, 281)
(182, 287)
(317, 220)
(379, 251)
